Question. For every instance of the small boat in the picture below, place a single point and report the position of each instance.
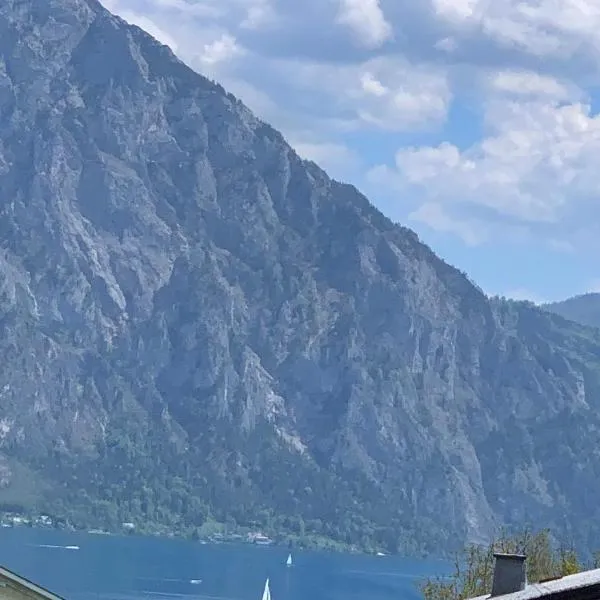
(288, 562)
(267, 592)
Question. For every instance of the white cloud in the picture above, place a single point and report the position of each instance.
(455, 9)
(258, 14)
(527, 83)
(366, 19)
(394, 95)
(220, 50)
(337, 159)
(536, 169)
(112, 5)
(420, 165)
(471, 231)
(151, 27)
(188, 8)
(447, 44)
(553, 27)
(372, 86)
(381, 94)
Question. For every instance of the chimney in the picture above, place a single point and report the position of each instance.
(510, 574)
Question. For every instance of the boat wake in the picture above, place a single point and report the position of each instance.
(54, 546)
(186, 596)
(170, 580)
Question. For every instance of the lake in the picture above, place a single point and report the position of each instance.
(131, 567)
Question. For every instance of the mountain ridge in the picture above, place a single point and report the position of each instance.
(197, 323)
(583, 309)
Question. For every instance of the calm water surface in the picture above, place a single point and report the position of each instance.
(131, 568)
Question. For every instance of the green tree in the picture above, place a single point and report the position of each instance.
(474, 566)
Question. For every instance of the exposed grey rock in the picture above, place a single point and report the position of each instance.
(185, 302)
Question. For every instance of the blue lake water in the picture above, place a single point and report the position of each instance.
(130, 568)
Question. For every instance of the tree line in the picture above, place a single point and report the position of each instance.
(473, 567)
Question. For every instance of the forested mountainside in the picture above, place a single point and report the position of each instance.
(584, 309)
(197, 323)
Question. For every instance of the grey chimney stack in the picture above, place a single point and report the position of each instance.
(510, 574)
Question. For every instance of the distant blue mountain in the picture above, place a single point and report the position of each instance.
(584, 309)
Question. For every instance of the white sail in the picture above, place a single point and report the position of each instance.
(267, 593)
(289, 560)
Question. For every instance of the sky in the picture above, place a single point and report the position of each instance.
(473, 122)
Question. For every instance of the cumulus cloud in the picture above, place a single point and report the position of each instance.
(151, 27)
(456, 10)
(205, 9)
(259, 13)
(526, 83)
(386, 93)
(540, 28)
(536, 167)
(337, 159)
(222, 49)
(366, 19)
(433, 214)
(393, 95)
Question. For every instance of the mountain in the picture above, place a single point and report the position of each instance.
(584, 309)
(196, 323)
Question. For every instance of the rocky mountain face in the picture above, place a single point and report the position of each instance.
(194, 321)
(584, 309)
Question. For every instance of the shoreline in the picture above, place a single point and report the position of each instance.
(214, 533)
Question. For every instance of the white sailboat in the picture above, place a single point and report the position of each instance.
(267, 593)
(288, 562)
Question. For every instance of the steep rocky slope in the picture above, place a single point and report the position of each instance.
(194, 320)
(584, 309)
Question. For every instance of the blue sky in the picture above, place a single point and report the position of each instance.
(474, 122)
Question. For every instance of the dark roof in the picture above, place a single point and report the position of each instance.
(581, 586)
(20, 582)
